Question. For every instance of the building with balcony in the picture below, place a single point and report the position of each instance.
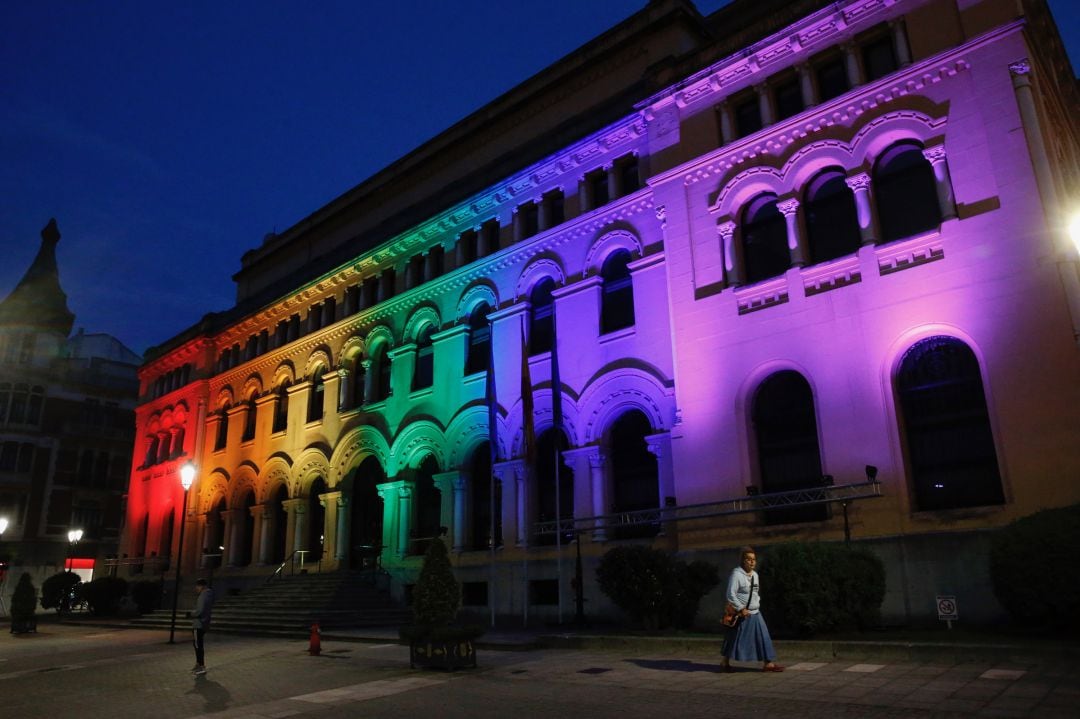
(788, 271)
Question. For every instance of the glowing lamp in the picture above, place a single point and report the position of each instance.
(75, 535)
(1074, 231)
(187, 475)
(3, 524)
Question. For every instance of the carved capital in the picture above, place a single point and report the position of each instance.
(726, 230)
(858, 182)
(1020, 67)
(788, 207)
(661, 214)
(597, 460)
(935, 154)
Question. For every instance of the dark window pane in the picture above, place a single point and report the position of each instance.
(879, 59)
(905, 192)
(748, 116)
(789, 100)
(764, 238)
(541, 326)
(832, 79)
(617, 295)
(832, 224)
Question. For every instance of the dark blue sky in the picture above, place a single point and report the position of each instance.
(168, 138)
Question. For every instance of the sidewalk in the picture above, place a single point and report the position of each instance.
(936, 648)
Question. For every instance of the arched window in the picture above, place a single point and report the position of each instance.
(428, 506)
(242, 555)
(479, 356)
(315, 398)
(33, 407)
(152, 451)
(617, 293)
(164, 447)
(424, 373)
(787, 443)
(549, 448)
(357, 380)
(832, 224)
(249, 420)
(905, 192)
(634, 478)
(281, 408)
(177, 442)
(950, 447)
(380, 369)
(480, 481)
(5, 400)
(764, 239)
(542, 319)
(222, 437)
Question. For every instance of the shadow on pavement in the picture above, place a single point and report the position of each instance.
(676, 665)
(216, 696)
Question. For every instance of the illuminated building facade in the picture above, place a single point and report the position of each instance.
(767, 249)
(66, 428)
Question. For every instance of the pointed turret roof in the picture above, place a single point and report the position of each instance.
(38, 302)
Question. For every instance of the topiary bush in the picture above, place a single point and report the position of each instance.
(23, 606)
(654, 588)
(103, 595)
(437, 594)
(810, 587)
(57, 589)
(1029, 562)
(146, 593)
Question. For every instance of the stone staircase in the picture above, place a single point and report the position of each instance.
(288, 605)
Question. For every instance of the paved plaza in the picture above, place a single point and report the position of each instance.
(78, 671)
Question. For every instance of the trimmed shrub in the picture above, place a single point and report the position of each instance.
(56, 589)
(146, 593)
(1029, 561)
(437, 594)
(811, 587)
(652, 587)
(103, 595)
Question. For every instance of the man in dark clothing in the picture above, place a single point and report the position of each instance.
(200, 621)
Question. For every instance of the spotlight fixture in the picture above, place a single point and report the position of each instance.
(827, 480)
(871, 473)
(752, 491)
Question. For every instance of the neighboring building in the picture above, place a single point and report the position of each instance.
(790, 252)
(66, 427)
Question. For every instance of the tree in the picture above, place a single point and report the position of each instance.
(23, 605)
(437, 594)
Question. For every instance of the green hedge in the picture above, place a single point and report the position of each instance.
(653, 587)
(56, 587)
(812, 587)
(147, 594)
(1030, 564)
(103, 595)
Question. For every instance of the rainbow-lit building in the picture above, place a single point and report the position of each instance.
(799, 268)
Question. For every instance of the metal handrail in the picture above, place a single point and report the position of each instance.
(291, 562)
(842, 494)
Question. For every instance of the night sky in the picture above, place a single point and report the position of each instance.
(169, 138)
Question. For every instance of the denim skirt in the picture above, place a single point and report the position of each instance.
(749, 641)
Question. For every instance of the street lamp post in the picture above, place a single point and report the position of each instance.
(74, 536)
(3, 569)
(187, 478)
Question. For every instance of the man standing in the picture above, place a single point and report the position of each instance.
(200, 621)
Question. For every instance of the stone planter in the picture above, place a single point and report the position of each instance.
(442, 654)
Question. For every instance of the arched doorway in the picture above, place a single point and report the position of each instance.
(241, 555)
(634, 473)
(480, 482)
(428, 500)
(366, 510)
(316, 521)
(280, 519)
(546, 450)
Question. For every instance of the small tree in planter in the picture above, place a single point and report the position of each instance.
(433, 639)
(24, 606)
(57, 591)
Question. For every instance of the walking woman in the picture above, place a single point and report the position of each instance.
(749, 640)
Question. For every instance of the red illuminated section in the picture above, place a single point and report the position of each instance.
(78, 563)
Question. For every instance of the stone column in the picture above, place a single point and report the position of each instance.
(521, 480)
(460, 513)
(300, 524)
(598, 480)
(518, 225)
(404, 518)
(429, 266)
(942, 181)
(209, 525)
(864, 207)
(344, 527)
(578, 461)
(258, 513)
(852, 64)
(789, 208)
(613, 184)
(329, 502)
(345, 384)
(806, 84)
(264, 531)
(233, 525)
(731, 251)
(388, 492)
(366, 364)
(900, 43)
(727, 123)
(332, 384)
(765, 105)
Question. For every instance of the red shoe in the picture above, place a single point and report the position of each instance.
(772, 668)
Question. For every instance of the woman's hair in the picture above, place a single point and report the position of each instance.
(744, 551)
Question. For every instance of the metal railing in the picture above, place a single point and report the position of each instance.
(840, 494)
(290, 561)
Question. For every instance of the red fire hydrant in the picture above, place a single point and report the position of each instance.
(315, 645)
